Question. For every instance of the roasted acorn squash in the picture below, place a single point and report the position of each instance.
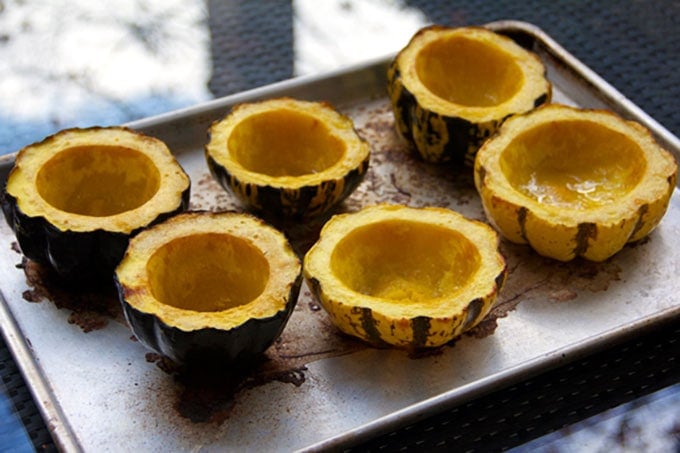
(75, 198)
(451, 88)
(407, 277)
(287, 158)
(572, 182)
(209, 286)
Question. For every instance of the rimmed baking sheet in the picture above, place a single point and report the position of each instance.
(99, 389)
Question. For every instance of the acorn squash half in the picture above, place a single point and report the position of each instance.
(75, 198)
(287, 158)
(573, 182)
(209, 286)
(406, 277)
(451, 88)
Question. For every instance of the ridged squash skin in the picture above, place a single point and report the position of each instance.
(287, 158)
(207, 287)
(574, 182)
(410, 278)
(74, 199)
(452, 88)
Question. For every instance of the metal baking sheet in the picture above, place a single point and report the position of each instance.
(99, 389)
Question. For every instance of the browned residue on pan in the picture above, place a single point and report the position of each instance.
(206, 394)
(91, 308)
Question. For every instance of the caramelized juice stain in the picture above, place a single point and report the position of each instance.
(91, 308)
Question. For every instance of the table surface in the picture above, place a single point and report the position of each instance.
(97, 66)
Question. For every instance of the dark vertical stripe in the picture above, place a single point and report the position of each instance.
(540, 100)
(481, 176)
(500, 279)
(473, 311)
(521, 220)
(421, 330)
(641, 219)
(586, 231)
(369, 326)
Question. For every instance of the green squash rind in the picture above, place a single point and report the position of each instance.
(576, 233)
(76, 256)
(440, 137)
(437, 138)
(420, 328)
(295, 204)
(355, 315)
(239, 345)
(301, 197)
(232, 337)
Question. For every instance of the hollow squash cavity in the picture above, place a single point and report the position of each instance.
(405, 261)
(394, 275)
(98, 181)
(575, 164)
(207, 272)
(573, 182)
(284, 143)
(75, 198)
(285, 158)
(451, 89)
(209, 286)
(468, 72)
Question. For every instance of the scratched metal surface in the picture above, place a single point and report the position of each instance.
(98, 388)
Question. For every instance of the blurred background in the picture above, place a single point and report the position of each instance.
(66, 63)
